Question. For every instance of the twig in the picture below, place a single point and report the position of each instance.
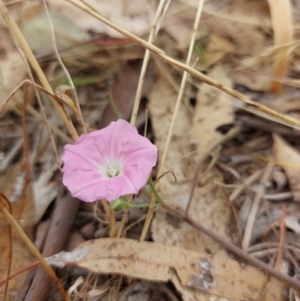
(125, 216)
(246, 183)
(62, 219)
(254, 207)
(5, 203)
(232, 133)
(282, 235)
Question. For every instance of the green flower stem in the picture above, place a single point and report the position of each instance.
(150, 182)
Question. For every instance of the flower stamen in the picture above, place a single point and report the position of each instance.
(113, 172)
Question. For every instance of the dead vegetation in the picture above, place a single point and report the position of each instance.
(214, 84)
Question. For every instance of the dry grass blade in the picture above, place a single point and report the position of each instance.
(155, 27)
(174, 116)
(254, 208)
(182, 86)
(77, 111)
(282, 21)
(4, 204)
(286, 119)
(33, 112)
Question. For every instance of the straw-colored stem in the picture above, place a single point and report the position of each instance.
(288, 120)
(254, 208)
(124, 217)
(112, 219)
(182, 88)
(152, 35)
(79, 114)
(147, 55)
(174, 116)
(282, 23)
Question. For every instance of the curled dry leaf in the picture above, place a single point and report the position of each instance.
(195, 271)
(289, 159)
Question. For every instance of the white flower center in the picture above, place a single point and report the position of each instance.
(111, 168)
(113, 172)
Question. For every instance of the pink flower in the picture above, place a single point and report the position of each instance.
(108, 163)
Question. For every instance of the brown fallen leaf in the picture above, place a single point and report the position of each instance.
(195, 271)
(289, 159)
(275, 290)
(12, 70)
(233, 21)
(210, 205)
(135, 16)
(36, 29)
(178, 23)
(12, 184)
(218, 47)
(213, 109)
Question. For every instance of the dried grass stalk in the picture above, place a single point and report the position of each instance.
(282, 22)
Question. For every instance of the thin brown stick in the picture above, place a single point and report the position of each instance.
(4, 203)
(232, 133)
(282, 235)
(255, 205)
(20, 271)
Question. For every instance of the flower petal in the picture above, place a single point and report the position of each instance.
(85, 161)
(111, 140)
(82, 155)
(87, 185)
